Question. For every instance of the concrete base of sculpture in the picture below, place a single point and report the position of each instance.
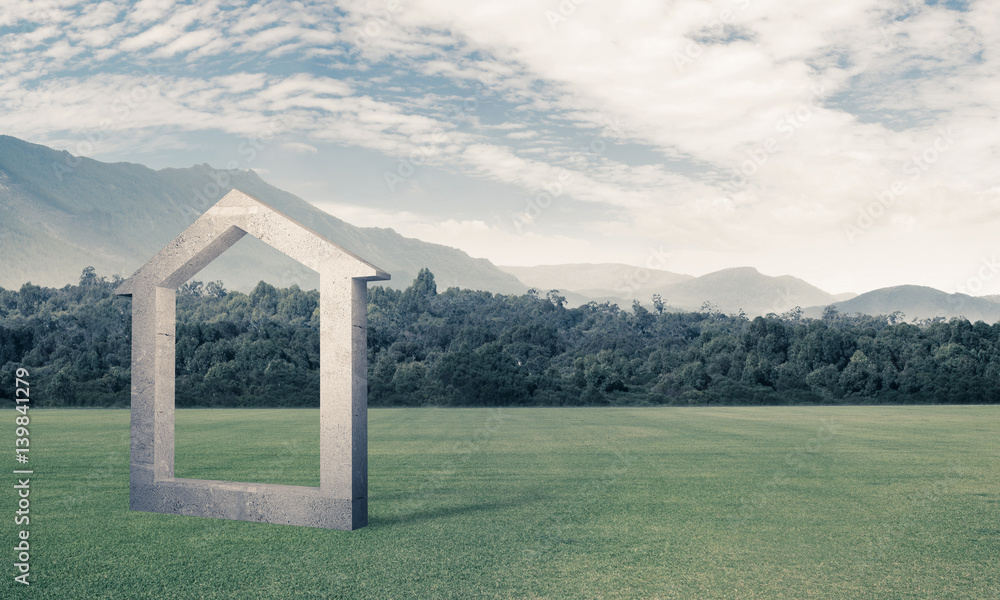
(260, 502)
(341, 500)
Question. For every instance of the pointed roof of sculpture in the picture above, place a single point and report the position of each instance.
(222, 225)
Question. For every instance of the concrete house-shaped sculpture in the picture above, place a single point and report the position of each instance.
(341, 500)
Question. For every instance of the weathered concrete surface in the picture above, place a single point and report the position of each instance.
(341, 500)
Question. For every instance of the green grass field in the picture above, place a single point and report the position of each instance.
(802, 503)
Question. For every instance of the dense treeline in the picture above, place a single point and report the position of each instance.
(472, 348)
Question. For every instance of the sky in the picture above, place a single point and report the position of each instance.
(853, 144)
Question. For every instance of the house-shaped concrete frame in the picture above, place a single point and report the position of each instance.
(341, 500)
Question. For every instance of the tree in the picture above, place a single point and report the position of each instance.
(642, 318)
(488, 376)
(264, 299)
(191, 288)
(30, 298)
(794, 315)
(556, 300)
(417, 298)
(88, 277)
(215, 289)
(658, 304)
(860, 378)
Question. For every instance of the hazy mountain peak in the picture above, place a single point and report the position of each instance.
(733, 272)
(916, 302)
(601, 281)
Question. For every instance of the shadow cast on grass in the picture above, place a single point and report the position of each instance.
(392, 517)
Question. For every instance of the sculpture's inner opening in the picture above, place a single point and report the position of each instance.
(248, 344)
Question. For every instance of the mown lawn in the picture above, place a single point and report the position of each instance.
(886, 503)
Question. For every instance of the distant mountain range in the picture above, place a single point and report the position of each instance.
(60, 213)
(917, 302)
(746, 289)
(728, 290)
(594, 280)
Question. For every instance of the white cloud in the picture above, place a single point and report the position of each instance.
(186, 42)
(721, 103)
(146, 11)
(473, 236)
(299, 148)
(156, 36)
(715, 127)
(102, 14)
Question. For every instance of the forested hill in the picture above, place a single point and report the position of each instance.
(473, 348)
